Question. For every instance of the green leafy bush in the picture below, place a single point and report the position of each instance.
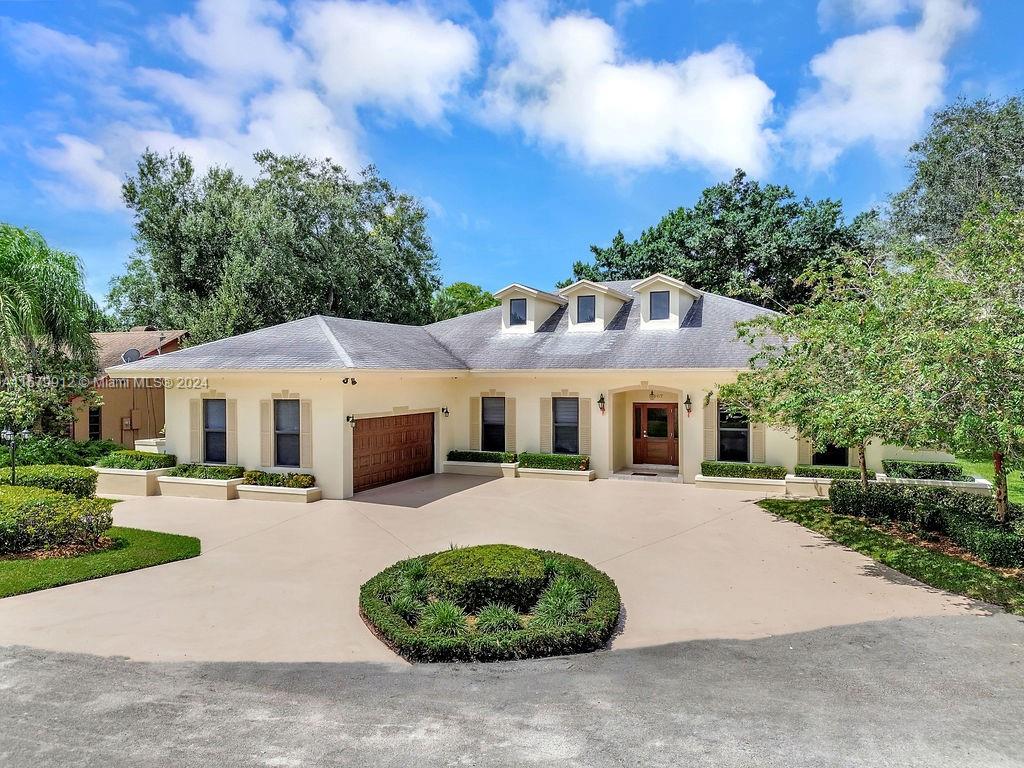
(831, 473)
(924, 470)
(72, 480)
(560, 604)
(566, 461)
(207, 471)
(279, 479)
(47, 449)
(35, 518)
(408, 607)
(492, 573)
(137, 460)
(444, 619)
(496, 617)
(493, 457)
(742, 469)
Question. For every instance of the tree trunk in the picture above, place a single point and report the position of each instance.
(863, 463)
(1002, 498)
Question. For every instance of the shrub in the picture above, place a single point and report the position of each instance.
(207, 471)
(559, 606)
(34, 518)
(444, 618)
(137, 460)
(495, 617)
(494, 457)
(924, 470)
(566, 461)
(493, 573)
(831, 473)
(64, 478)
(742, 469)
(47, 449)
(408, 607)
(279, 479)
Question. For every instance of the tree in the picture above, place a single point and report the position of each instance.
(461, 299)
(741, 239)
(219, 256)
(973, 153)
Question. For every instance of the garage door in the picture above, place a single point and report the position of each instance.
(392, 448)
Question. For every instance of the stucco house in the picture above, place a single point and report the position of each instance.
(614, 370)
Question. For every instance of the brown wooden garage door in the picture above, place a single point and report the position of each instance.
(392, 448)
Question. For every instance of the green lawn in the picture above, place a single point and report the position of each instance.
(933, 568)
(1014, 481)
(135, 549)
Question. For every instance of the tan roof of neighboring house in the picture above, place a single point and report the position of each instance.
(110, 346)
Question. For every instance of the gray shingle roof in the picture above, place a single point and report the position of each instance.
(706, 338)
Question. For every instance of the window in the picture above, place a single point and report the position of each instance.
(832, 456)
(517, 312)
(733, 437)
(566, 420)
(586, 309)
(95, 423)
(215, 431)
(493, 418)
(286, 433)
(659, 305)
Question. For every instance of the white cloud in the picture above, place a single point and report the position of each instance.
(33, 44)
(877, 86)
(85, 178)
(566, 82)
(861, 11)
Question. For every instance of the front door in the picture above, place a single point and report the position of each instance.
(655, 433)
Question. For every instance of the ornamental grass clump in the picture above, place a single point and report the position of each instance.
(444, 619)
(498, 618)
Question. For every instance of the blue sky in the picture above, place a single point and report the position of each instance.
(530, 129)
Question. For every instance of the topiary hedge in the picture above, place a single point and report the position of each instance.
(497, 573)
(36, 518)
(207, 471)
(576, 611)
(137, 460)
(829, 472)
(565, 461)
(64, 478)
(493, 457)
(742, 469)
(279, 479)
(924, 470)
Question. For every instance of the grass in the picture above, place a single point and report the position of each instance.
(932, 568)
(1014, 480)
(134, 549)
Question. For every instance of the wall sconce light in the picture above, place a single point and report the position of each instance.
(345, 381)
(688, 404)
(600, 402)
(351, 420)
(444, 411)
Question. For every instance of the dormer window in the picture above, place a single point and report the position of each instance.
(586, 309)
(517, 312)
(660, 305)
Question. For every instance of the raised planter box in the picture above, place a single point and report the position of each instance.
(481, 468)
(584, 476)
(194, 488)
(152, 445)
(751, 484)
(276, 493)
(808, 487)
(977, 485)
(128, 482)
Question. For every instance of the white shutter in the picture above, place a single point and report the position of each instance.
(306, 433)
(711, 430)
(266, 432)
(545, 425)
(231, 406)
(474, 423)
(195, 426)
(585, 426)
(510, 424)
(757, 443)
(804, 454)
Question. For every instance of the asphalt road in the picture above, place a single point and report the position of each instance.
(911, 692)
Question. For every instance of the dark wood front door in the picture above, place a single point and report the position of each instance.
(392, 448)
(656, 433)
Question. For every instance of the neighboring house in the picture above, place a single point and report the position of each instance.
(614, 370)
(132, 408)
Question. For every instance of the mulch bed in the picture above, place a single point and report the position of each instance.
(69, 550)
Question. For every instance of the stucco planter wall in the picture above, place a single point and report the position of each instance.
(152, 445)
(128, 482)
(478, 468)
(751, 484)
(274, 493)
(977, 485)
(584, 476)
(194, 488)
(808, 487)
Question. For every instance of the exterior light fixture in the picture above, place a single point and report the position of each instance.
(600, 402)
(351, 420)
(444, 411)
(11, 437)
(688, 404)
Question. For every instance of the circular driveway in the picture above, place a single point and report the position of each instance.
(279, 582)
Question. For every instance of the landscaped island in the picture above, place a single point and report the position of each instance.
(489, 603)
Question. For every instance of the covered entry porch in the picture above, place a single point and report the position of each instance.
(648, 432)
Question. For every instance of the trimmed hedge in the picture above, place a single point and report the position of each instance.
(137, 460)
(566, 461)
(208, 471)
(832, 473)
(279, 479)
(493, 457)
(589, 631)
(924, 470)
(742, 469)
(63, 478)
(47, 449)
(493, 573)
(36, 518)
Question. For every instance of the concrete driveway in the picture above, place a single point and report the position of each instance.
(279, 583)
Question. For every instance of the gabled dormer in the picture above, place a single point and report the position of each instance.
(664, 301)
(525, 309)
(591, 305)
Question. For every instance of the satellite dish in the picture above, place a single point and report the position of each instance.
(131, 355)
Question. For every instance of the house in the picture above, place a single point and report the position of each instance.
(614, 370)
(132, 408)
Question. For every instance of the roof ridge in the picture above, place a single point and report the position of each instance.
(333, 341)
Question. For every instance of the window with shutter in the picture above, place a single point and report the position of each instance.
(286, 434)
(215, 431)
(493, 419)
(565, 416)
(733, 437)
